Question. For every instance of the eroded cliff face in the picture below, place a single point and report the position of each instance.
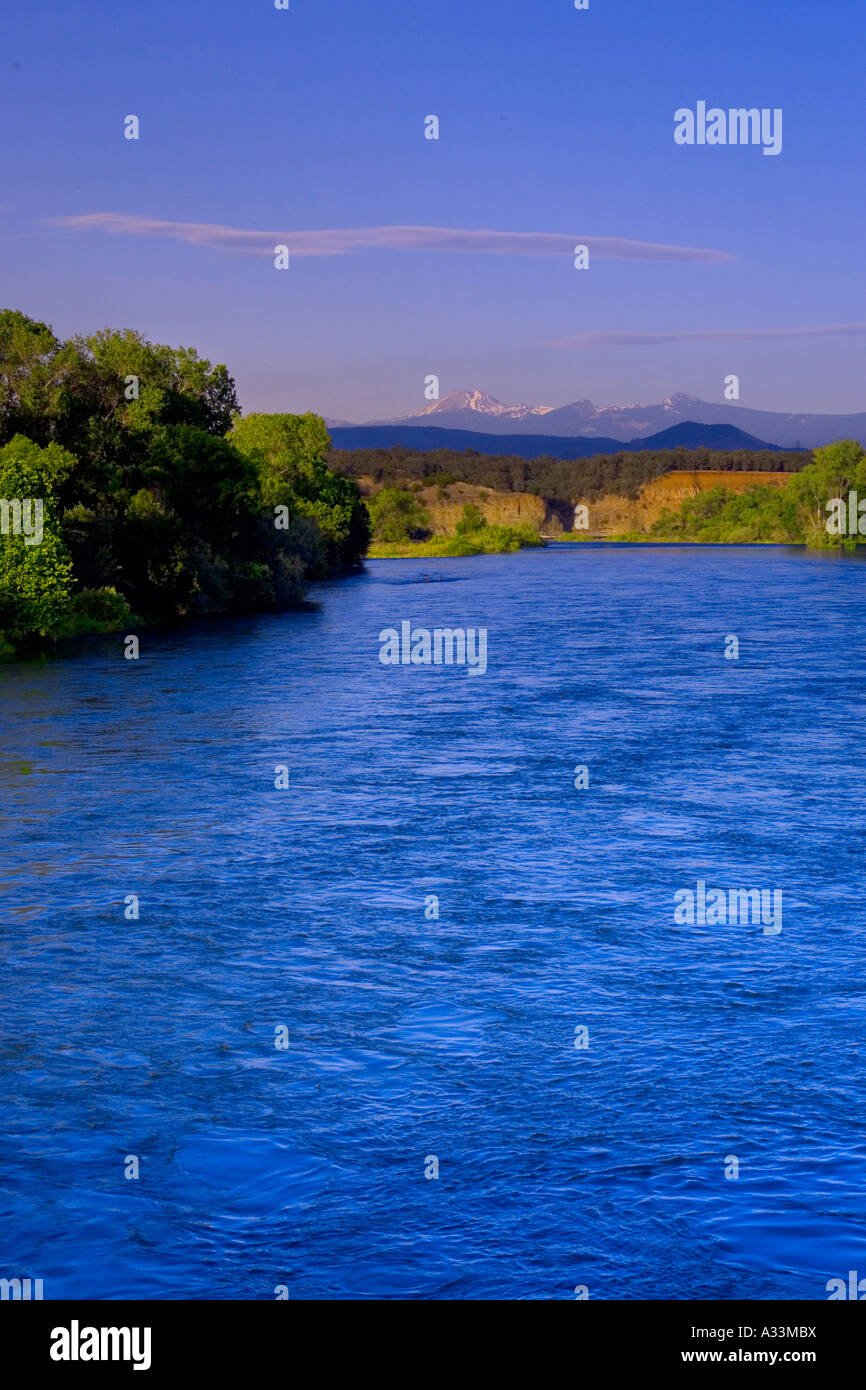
(497, 508)
(608, 516)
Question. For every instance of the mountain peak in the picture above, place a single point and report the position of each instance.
(481, 403)
(466, 400)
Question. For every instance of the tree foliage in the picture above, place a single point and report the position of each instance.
(471, 522)
(35, 578)
(397, 516)
(157, 500)
(289, 453)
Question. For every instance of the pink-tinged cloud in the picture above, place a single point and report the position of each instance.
(342, 241)
(639, 339)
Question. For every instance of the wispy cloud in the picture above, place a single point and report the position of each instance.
(341, 241)
(818, 330)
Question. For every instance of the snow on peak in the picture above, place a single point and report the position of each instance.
(482, 404)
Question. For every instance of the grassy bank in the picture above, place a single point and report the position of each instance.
(491, 540)
(401, 528)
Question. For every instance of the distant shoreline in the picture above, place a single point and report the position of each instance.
(427, 550)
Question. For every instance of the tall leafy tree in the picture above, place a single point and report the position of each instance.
(152, 500)
(289, 453)
(31, 377)
(397, 516)
(36, 576)
(834, 471)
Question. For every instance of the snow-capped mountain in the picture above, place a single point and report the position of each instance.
(463, 404)
(624, 421)
(483, 404)
(475, 410)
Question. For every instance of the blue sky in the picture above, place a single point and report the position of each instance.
(552, 121)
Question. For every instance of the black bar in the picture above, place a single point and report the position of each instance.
(222, 1339)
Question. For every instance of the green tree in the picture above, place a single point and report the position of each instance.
(397, 516)
(31, 380)
(289, 454)
(35, 571)
(834, 471)
(53, 390)
(288, 450)
(199, 477)
(171, 386)
(146, 500)
(471, 522)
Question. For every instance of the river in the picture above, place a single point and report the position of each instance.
(582, 1069)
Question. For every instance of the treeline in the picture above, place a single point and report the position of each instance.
(154, 499)
(622, 474)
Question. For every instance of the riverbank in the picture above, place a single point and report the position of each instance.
(818, 506)
(491, 540)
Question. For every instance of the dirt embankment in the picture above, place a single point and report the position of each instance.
(608, 515)
(497, 508)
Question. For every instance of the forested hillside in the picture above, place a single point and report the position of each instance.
(621, 473)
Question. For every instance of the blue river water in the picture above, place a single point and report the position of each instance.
(607, 1167)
